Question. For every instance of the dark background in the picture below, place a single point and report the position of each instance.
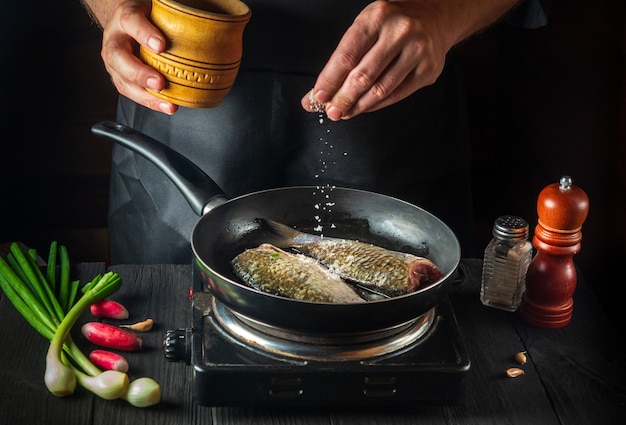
(543, 103)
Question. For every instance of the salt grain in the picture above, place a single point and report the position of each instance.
(314, 104)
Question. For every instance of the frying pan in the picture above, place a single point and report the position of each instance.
(228, 226)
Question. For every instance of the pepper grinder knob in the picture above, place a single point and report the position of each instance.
(562, 209)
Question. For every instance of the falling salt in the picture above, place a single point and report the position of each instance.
(325, 152)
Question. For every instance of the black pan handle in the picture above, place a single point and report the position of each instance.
(200, 191)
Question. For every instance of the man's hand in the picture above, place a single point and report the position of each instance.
(126, 23)
(393, 49)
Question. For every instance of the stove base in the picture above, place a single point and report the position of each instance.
(432, 370)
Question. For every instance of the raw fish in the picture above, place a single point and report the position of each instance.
(390, 272)
(270, 269)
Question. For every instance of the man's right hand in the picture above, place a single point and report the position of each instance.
(125, 24)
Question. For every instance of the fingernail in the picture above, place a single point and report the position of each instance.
(334, 113)
(321, 96)
(153, 83)
(154, 43)
(165, 108)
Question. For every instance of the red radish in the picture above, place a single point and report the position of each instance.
(109, 309)
(111, 336)
(108, 360)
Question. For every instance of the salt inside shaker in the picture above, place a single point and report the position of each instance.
(505, 264)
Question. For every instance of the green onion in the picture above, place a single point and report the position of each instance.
(24, 294)
(16, 268)
(42, 289)
(64, 280)
(73, 291)
(143, 392)
(59, 377)
(51, 271)
(38, 321)
(31, 294)
(109, 385)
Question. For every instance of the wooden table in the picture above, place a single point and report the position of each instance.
(574, 375)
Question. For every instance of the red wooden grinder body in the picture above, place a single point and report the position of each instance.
(551, 279)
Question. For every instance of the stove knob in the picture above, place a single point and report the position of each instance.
(176, 345)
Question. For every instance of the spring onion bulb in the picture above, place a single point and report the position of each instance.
(109, 385)
(59, 378)
(143, 392)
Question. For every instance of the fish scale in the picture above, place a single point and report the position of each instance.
(389, 272)
(272, 270)
(369, 265)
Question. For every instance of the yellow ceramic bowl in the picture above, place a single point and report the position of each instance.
(204, 49)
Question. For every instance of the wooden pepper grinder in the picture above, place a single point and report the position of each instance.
(551, 279)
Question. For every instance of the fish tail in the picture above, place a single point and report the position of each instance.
(285, 236)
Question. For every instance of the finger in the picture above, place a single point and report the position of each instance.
(128, 86)
(125, 68)
(364, 105)
(129, 74)
(352, 47)
(134, 22)
(378, 73)
(310, 103)
(402, 78)
(143, 97)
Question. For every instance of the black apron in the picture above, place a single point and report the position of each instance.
(260, 137)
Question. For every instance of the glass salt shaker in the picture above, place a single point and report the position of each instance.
(505, 264)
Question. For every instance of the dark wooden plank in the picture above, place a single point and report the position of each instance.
(23, 394)
(581, 368)
(162, 293)
(583, 365)
(492, 344)
(574, 375)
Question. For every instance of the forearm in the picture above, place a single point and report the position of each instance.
(102, 10)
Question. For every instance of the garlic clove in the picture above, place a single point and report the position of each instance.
(143, 326)
(514, 372)
(521, 357)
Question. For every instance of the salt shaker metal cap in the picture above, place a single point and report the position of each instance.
(510, 227)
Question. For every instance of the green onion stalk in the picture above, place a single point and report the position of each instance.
(50, 305)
